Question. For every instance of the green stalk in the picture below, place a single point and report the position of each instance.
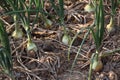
(110, 27)
(17, 32)
(61, 15)
(114, 4)
(22, 12)
(38, 5)
(78, 52)
(47, 22)
(91, 64)
(59, 9)
(89, 27)
(5, 52)
(26, 23)
(54, 6)
(97, 33)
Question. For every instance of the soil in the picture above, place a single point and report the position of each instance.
(51, 61)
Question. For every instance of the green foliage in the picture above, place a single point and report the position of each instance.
(59, 10)
(114, 4)
(97, 34)
(24, 17)
(5, 53)
(99, 25)
(4, 38)
(23, 10)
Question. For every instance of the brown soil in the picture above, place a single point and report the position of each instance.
(50, 62)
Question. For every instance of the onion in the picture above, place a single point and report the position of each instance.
(66, 39)
(97, 65)
(110, 26)
(48, 23)
(89, 7)
(31, 46)
(17, 33)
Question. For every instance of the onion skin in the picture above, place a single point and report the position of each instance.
(89, 8)
(66, 39)
(48, 23)
(31, 46)
(110, 26)
(97, 65)
(17, 34)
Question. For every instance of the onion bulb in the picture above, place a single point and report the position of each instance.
(97, 64)
(110, 26)
(31, 46)
(89, 7)
(17, 33)
(48, 23)
(66, 39)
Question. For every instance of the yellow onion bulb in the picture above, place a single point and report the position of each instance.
(97, 65)
(66, 39)
(17, 34)
(110, 26)
(89, 7)
(31, 46)
(48, 23)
